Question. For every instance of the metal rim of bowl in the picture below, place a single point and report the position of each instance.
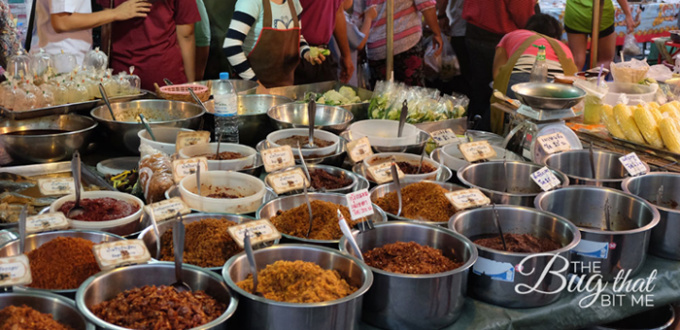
(200, 114)
(92, 125)
(358, 170)
(287, 99)
(461, 171)
(354, 177)
(342, 143)
(545, 161)
(515, 87)
(318, 107)
(655, 213)
(365, 270)
(54, 298)
(626, 182)
(217, 199)
(173, 191)
(422, 137)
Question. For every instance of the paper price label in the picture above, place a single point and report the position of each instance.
(46, 222)
(15, 271)
(167, 209)
(360, 204)
(56, 186)
(287, 181)
(552, 143)
(120, 253)
(185, 139)
(277, 158)
(633, 164)
(184, 167)
(545, 179)
(382, 173)
(467, 198)
(444, 136)
(359, 149)
(259, 231)
(478, 150)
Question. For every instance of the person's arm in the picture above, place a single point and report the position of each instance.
(499, 59)
(202, 54)
(430, 16)
(202, 39)
(187, 44)
(630, 24)
(441, 14)
(65, 22)
(340, 34)
(369, 15)
(239, 27)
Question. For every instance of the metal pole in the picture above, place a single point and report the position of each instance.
(389, 25)
(595, 36)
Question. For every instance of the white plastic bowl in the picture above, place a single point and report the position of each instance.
(454, 160)
(214, 182)
(313, 152)
(384, 157)
(249, 159)
(123, 226)
(383, 133)
(165, 138)
(635, 93)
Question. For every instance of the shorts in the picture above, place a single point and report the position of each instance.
(603, 33)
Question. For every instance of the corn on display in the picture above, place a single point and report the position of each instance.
(669, 110)
(670, 134)
(610, 122)
(624, 117)
(648, 127)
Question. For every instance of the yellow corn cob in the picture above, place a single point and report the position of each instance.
(671, 111)
(624, 117)
(648, 127)
(676, 104)
(653, 105)
(670, 134)
(610, 122)
(656, 113)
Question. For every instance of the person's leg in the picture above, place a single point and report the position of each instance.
(578, 43)
(481, 53)
(458, 44)
(606, 50)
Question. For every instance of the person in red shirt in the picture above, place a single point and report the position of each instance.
(160, 45)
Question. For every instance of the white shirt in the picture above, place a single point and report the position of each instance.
(75, 42)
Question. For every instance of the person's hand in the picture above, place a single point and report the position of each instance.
(437, 43)
(371, 13)
(132, 9)
(347, 69)
(261, 89)
(630, 24)
(444, 23)
(314, 60)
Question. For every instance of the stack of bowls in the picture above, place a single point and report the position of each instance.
(382, 134)
(314, 152)
(576, 165)
(294, 115)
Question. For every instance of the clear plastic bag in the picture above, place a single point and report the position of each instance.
(632, 71)
(155, 174)
(630, 46)
(433, 62)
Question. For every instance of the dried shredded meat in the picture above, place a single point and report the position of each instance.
(409, 258)
(523, 243)
(62, 263)
(421, 201)
(207, 243)
(26, 318)
(295, 222)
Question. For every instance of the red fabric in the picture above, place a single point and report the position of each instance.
(318, 20)
(150, 44)
(514, 39)
(498, 16)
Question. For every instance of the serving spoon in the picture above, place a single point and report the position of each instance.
(248, 246)
(22, 229)
(198, 179)
(105, 96)
(75, 172)
(395, 181)
(147, 126)
(348, 234)
(178, 245)
(311, 116)
(402, 118)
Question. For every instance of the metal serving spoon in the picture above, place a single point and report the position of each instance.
(311, 116)
(147, 126)
(106, 100)
(178, 244)
(395, 181)
(75, 172)
(348, 233)
(251, 261)
(402, 118)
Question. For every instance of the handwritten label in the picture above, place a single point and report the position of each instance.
(444, 136)
(287, 181)
(467, 198)
(185, 139)
(478, 150)
(15, 271)
(545, 179)
(359, 149)
(360, 204)
(167, 209)
(259, 231)
(382, 173)
(277, 158)
(120, 253)
(184, 167)
(56, 186)
(633, 164)
(553, 143)
(46, 222)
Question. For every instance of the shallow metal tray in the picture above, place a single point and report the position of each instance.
(88, 176)
(297, 92)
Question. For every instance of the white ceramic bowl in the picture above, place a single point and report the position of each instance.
(217, 181)
(123, 226)
(312, 152)
(165, 138)
(383, 133)
(222, 165)
(454, 160)
(384, 157)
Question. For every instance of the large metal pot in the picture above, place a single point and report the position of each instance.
(430, 301)
(63, 310)
(624, 246)
(664, 241)
(498, 276)
(357, 183)
(294, 115)
(506, 182)
(576, 165)
(256, 312)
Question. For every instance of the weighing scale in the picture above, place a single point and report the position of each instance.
(544, 109)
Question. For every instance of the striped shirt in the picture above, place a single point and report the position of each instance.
(245, 28)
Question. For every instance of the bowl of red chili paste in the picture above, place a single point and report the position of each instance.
(110, 211)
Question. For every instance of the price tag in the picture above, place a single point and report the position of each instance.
(633, 164)
(46, 222)
(553, 143)
(259, 231)
(284, 182)
(467, 198)
(15, 271)
(56, 186)
(444, 136)
(120, 253)
(185, 139)
(382, 173)
(277, 158)
(167, 209)
(359, 149)
(478, 150)
(545, 179)
(184, 167)
(360, 204)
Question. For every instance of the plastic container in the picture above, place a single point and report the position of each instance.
(222, 165)
(412, 159)
(226, 110)
(383, 133)
(595, 94)
(635, 93)
(222, 181)
(123, 226)
(306, 152)
(165, 138)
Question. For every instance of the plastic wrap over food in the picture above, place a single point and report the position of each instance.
(632, 71)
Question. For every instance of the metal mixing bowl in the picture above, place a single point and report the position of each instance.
(497, 275)
(416, 148)
(332, 170)
(157, 112)
(256, 312)
(50, 147)
(506, 182)
(294, 115)
(664, 241)
(335, 159)
(576, 165)
(106, 285)
(430, 301)
(63, 310)
(444, 176)
(631, 222)
(548, 96)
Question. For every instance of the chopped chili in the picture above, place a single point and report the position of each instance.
(207, 243)
(62, 263)
(101, 209)
(409, 258)
(26, 318)
(522, 243)
(420, 201)
(295, 222)
(409, 168)
(322, 179)
(225, 155)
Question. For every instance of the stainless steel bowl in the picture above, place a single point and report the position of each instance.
(430, 301)
(359, 169)
(297, 92)
(497, 275)
(416, 148)
(335, 159)
(332, 170)
(384, 189)
(548, 96)
(268, 211)
(294, 115)
(576, 165)
(664, 241)
(63, 310)
(256, 312)
(164, 113)
(106, 285)
(49, 147)
(506, 182)
(35, 241)
(624, 247)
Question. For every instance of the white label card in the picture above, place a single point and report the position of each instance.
(545, 179)
(444, 136)
(359, 149)
(467, 198)
(478, 150)
(167, 209)
(56, 186)
(120, 253)
(185, 139)
(259, 231)
(15, 270)
(277, 158)
(382, 173)
(185, 167)
(286, 181)
(552, 143)
(633, 164)
(360, 205)
(46, 222)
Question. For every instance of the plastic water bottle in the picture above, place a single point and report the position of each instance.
(539, 72)
(226, 110)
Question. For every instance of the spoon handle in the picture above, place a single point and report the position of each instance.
(348, 234)
(75, 172)
(178, 245)
(198, 179)
(147, 126)
(251, 259)
(402, 118)
(311, 113)
(105, 96)
(22, 229)
(395, 181)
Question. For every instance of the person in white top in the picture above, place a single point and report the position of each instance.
(66, 25)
